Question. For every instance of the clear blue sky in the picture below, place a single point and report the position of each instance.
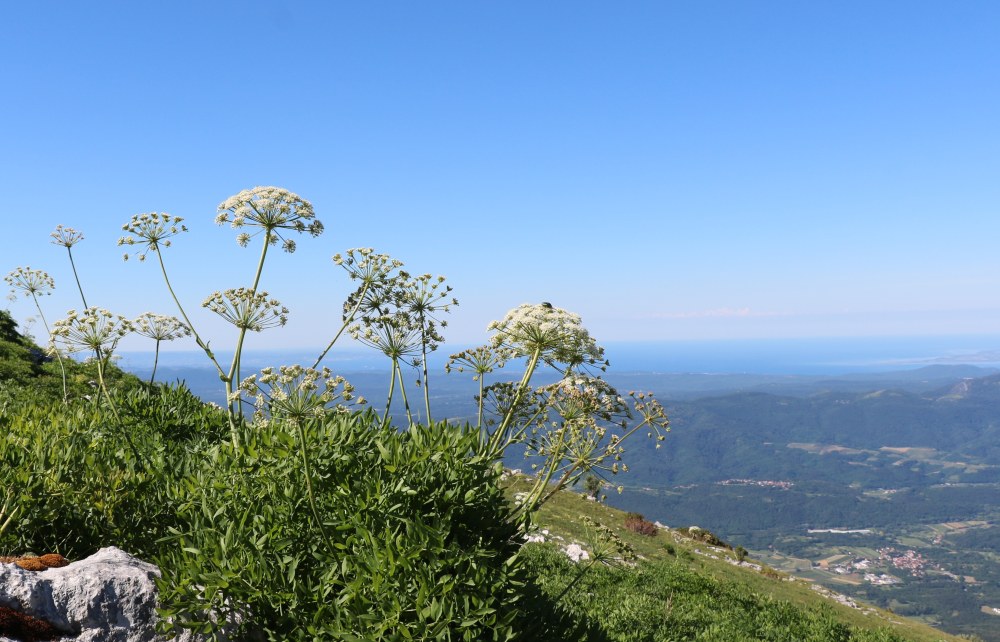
(669, 170)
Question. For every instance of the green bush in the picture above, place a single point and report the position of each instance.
(412, 539)
(74, 486)
(636, 523)
(411, 535)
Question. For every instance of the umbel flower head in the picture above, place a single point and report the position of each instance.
(587, 401)
(247, 310)
(160, 327)
(364, 264)
(152, 230)
(556, 334)
(66, 236)
(270, 209)
(396, 335)
(293, 393)
(480, 361)
(29, 282)
(93, 329)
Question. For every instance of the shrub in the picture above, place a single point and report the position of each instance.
(708, 537)
(73, 486)
(638, 524)
(413, 537)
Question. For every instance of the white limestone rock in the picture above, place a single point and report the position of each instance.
(107, 597)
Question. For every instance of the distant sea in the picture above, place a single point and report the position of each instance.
(837, 356)
(829, 356)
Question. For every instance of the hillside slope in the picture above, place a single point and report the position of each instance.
(686, 585)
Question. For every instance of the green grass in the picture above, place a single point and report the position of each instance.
(677, 591)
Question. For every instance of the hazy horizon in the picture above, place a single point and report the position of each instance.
(816, 356)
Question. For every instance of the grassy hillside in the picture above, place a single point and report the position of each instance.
(683, 587)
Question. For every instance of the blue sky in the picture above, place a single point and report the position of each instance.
(669, 170)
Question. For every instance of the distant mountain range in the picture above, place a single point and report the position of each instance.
(810, 469)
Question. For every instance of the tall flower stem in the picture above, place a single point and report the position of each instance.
(497, 436)
(347, 322)
(482, 388)
(208, 351)
(156, 360)
(402, 391)
(76, 276)
(72, 263)
(114, 411)
(423, 363)
(233, 378)
(307, 474)
(197, 339)
(554, 457)
(62, 367)
(388, 398)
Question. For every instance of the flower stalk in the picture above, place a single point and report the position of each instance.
(35, 283)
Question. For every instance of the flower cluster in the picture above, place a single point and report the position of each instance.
(292, 393)
(396, 335)
(270, 209)
(246, 309)
(480, 361)
(557, 336)
(654, 416)
(93, 329)
(377, 275)
(160, 327)
(152, 230)
(399, 314)
(586, 400)
(66, 236)
(424, 298)
(364, 264)
(501, 399)
(29, 282)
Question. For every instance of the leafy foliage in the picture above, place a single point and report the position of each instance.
(412, 541)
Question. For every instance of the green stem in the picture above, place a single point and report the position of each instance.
(309, 488)
(10, 516)
(156, 360)
(515, 436)
(402, 391)
(121, 425)
(79, 287)
(532, 501)
(203, 346)
(235, 408)
(479, 423)
(197, 339)
(347, 321)
(576, 579)
(528, 372)
(62, 367)
(392, 389)
(427, 388)
(77, 277)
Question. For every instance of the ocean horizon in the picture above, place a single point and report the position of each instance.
(819, 356)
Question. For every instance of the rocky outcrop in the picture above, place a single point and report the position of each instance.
(108, 597)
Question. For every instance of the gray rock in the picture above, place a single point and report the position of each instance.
(108, 597)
